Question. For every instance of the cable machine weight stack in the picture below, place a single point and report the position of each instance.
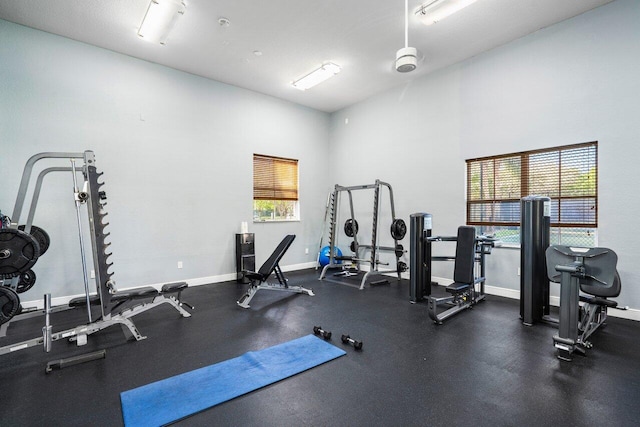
(535, 234)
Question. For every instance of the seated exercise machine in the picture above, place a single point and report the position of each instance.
(110, 301)
(589, 270)
(398, 230)
(271, 265)
(467, 288)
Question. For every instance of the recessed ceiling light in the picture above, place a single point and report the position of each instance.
(224, 22)
(257, 53)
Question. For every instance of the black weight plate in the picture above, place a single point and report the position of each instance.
(351, 227)
(27, 280)
(398, 229)
(19, 251)
(9, 304)
(402, 266)
(399, 250)
(41, 236)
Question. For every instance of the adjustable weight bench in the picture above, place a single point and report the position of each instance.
(271, 265)
(166, 295)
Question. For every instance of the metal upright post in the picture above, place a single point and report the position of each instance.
(374, 231)
(419, 256)
(46, 330)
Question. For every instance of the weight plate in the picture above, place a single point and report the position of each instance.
(399, 250)
(398, 229)
(9, 304)
(352, 246)
(27, 280)
(19, 251)
(351, 227)
(41, 236)
(402, 266)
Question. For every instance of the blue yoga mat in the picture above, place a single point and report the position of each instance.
(177, 397)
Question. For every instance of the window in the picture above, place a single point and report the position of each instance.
(275, 188)
(568, 175)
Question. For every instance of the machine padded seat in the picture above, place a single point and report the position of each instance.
(457, 287)
(94, 299)
(121, 296)
(129, 294)
(145, 292)
(171, 288)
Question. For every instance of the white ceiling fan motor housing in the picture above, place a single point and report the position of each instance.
(406, 59)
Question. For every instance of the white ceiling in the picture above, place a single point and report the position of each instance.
(295, 37)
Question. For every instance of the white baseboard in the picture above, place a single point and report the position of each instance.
(302, 266)
(198, 281)
(631, 313)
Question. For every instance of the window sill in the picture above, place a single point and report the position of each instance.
(507, 246)
(276, 221)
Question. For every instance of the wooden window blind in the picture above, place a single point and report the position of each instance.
(274, 178)
(568, 175)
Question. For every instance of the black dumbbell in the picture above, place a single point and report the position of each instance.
(346, 339)
(319, 331)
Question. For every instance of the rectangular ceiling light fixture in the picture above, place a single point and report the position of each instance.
(160, 18)
(318, 76)
(436, 10)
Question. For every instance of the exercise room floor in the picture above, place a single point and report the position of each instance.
(482, 367)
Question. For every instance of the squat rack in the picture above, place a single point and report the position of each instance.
(398, 230)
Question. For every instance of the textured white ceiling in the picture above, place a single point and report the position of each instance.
(296, 36)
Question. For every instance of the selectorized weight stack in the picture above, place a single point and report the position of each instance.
(419, 253)
(534, 240)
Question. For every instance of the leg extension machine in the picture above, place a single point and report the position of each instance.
(592, 271)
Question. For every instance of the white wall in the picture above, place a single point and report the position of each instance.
(574, 82)
(176, 151)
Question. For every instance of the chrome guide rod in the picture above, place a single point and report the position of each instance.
(80, 236)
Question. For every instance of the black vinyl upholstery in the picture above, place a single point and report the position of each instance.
(272, 262)
(604, 291)
(131, 294)
(465, 255)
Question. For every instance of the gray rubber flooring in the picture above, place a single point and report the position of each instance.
(482, 367)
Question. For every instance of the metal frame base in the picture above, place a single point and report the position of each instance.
(253, 289)
(459, 302)
(80, 333)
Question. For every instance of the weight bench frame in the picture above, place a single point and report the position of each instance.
(271, 265)
(164, 296)
(80, 333)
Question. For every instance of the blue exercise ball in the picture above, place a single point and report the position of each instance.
(326, 252)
